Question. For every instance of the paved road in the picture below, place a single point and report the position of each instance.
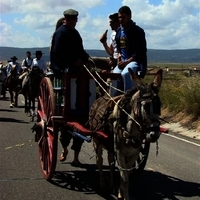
(173, 174)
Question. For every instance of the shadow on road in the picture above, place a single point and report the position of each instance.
(147, 186)
(85, 181)
(8, 110)
(5, 119)
(154, 185)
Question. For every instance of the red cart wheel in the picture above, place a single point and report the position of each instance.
(47, 131)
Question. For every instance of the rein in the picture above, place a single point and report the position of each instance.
(132, 168)
(116, 103)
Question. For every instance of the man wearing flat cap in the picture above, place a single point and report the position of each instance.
(67, 50)
(67, 54)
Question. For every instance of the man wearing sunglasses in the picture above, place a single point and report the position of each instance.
(67, 54)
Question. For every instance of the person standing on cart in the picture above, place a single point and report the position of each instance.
(67, 54)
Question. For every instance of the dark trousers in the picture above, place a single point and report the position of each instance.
(65, 138)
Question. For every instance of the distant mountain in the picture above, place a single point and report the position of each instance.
(154, 56)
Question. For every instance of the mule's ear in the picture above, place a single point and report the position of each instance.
(135, 78)
(157, 80)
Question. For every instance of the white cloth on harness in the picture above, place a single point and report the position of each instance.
(23, 75)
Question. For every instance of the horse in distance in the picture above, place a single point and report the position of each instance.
(12, 85)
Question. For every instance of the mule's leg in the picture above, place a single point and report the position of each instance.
(29, 104)
(121, 163)
(33, 109)
(123, 189)
(11, 99)
(126, 162)
(26, 104)
(112, 169)
(99, 161)
(16, 99)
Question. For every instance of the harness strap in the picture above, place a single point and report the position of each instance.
(110, 96)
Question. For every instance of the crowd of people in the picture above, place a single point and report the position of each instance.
(126, 48)
(24, 68)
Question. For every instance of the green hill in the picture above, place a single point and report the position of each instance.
(154, 56)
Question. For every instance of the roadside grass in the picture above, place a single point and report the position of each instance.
(180, 93)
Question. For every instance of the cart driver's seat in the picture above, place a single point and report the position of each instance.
(81, 91)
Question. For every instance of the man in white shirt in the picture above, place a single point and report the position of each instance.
(111, 49)
(27, 62)
(39, 62)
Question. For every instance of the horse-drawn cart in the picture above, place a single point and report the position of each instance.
(65, 103)
(68, 102)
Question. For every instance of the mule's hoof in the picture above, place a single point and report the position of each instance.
(11, 105)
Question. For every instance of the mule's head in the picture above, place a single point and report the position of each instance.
(146, 105)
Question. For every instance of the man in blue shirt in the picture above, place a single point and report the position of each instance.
(131, 45)
(10, 64)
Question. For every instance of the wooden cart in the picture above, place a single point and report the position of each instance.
(66, 103)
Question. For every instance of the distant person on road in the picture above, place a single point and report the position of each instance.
(38, 61)
(26, 65)
(10, 64)
(3, 79)
(18, 69)
(131, 46)
(27, 62)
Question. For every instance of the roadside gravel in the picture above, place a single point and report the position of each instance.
(177, 128)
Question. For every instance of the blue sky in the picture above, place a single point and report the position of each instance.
(168, 24)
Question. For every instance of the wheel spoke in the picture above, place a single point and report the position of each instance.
(48, 141)
(40, 102)
(41, 114)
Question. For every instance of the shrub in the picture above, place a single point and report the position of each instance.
(181, 94)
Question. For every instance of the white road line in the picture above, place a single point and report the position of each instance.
(198, 145)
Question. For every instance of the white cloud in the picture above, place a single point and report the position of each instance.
(168, 24)
(173, 24)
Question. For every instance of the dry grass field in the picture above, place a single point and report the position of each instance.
(180, 93)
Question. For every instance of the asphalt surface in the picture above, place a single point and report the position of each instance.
(173, 174)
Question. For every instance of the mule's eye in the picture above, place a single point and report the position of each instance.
(147, 107)
(156, 105)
